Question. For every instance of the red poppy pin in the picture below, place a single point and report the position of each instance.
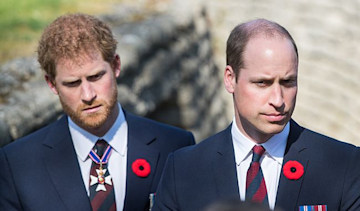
(141, 167)
(293, 170)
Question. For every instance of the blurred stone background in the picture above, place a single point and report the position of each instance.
(173, 59)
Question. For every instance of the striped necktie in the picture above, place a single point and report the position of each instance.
(102, 194)
(255, 183)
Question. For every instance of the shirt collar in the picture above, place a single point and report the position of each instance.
(275, 146)
(85, 141)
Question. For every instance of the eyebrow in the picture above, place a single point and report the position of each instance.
(290, 77)
(99, 73)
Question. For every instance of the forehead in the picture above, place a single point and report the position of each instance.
(260, 42)
(83, 63)
(270, 54)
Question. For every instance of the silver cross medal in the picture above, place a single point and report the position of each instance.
(100, 179)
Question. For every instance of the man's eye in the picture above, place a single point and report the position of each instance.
(290, 82)
(72, 83)
(262, 83)
(96, 77)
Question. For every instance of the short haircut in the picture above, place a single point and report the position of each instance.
(73, 36)
(242, 33)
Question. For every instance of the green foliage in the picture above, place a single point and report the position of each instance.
(22, 21)
(26, 14)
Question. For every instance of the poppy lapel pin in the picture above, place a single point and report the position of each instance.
(293, 170)
(141, 167)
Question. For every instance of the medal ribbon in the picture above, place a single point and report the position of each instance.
(105, 158)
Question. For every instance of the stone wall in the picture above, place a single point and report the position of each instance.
(168, 74)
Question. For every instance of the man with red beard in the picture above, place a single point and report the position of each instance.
(97, 156)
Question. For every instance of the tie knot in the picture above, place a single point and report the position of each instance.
(258, 151)
(100, 147)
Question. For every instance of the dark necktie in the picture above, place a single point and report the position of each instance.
(101, 188)
(255, 183)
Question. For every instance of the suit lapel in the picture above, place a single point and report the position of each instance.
(224, 166)
(139, 147)
(289, 190)
(61, 162)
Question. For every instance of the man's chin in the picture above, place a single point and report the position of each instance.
(91, 122)
(276, 128)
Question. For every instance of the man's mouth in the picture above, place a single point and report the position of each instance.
(275, 117)
(91, 109)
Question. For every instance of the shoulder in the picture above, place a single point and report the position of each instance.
(319, 142)
(34, 140)
(166, 136)
(149, 127)
(220, 143)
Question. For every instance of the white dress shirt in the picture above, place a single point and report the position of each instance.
(116, 137)
(270, 162)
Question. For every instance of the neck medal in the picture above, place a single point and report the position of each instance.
(103, 176)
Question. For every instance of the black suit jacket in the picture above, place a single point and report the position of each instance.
(196, 176)
(41, 171)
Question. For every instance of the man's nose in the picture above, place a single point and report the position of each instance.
(277, 96)
(88, 93)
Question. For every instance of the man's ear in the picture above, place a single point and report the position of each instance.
(117, 65)
(51, 83)
(229, 79)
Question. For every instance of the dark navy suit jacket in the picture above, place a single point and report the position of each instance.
(41, 171)
(198, 175)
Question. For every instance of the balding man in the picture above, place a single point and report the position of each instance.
(264, 155)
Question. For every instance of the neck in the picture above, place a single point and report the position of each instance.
(104, 128)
